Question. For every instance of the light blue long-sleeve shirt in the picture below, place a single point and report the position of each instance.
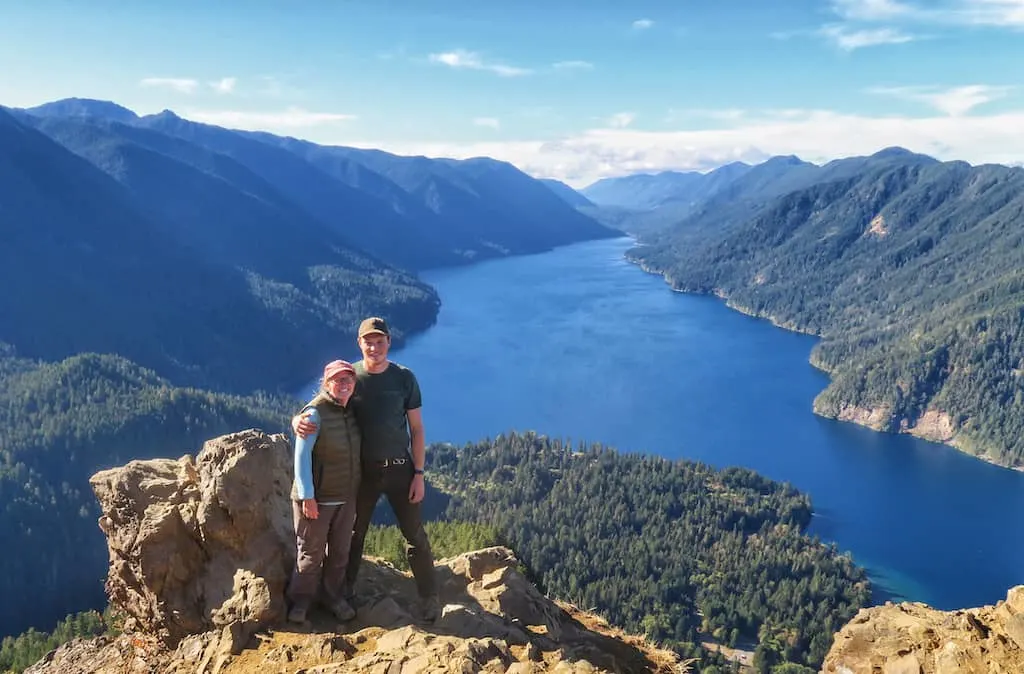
(304, 458)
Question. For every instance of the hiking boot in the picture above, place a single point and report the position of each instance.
(430, 608)
(297, 614)
(342, 610)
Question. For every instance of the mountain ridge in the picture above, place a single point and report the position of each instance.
(443, 213)
(571, 196)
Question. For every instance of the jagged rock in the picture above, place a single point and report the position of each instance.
(200, 544)
(200, 552)
(912, 638)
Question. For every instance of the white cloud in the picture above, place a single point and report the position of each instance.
(642, 24)
(1007, 13)
(996, 13)
(814, 135)
(489, 122)
(953, 101)
(180, 84)
(460, 58)
(868, 23)
(621, 120)
(224, 85)
(572, 65)
(250, 120)
(849, 39)
(872, 10)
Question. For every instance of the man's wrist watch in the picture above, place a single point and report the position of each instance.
(417, 471)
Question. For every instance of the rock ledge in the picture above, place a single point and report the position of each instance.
(200, 552)
(913, 638)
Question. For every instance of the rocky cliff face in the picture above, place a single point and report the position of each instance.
(200, 552)
(912, 638)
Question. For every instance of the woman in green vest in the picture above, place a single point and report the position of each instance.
(327, 472)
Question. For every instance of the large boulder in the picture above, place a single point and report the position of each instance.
(200, 544)
(913, 638)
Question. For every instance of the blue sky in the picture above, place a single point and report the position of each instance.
(576, 90)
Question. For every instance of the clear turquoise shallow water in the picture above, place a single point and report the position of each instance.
(580, 344)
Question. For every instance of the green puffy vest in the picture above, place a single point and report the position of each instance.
(336, 454)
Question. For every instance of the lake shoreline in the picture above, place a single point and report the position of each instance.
(861, 416)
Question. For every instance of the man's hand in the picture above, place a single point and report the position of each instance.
(302, 426)
(417, 489)
(310, 510)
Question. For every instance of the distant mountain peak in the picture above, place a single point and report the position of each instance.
(893, 151)
(902, 154)
(83, 107)
(785, 160)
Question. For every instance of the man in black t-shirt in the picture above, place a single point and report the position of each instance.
(387, 405)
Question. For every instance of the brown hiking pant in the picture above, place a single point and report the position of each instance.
(322, 547)
(393, 481)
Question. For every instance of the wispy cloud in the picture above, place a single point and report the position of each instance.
(489, 122)
(869, 23)
(849, 39)
(180, 84)
(621, 120)
(461, 58)
(953, 101)
(642, 24)
(1006, 13)
(224, 85)
(872, 10)
(996, 13)
(258, 120)
(573, 65)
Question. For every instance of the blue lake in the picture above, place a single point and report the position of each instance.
(580, 344)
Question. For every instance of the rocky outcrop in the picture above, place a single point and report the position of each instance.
(203, 543)
(875, 418)
(200, 551)
(912, 638)
(932, 425)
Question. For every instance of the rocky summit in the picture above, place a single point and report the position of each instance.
(913, 638)
(200, 553)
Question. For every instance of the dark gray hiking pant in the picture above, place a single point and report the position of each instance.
(322, 547)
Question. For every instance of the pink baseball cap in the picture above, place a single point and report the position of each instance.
(336, 367)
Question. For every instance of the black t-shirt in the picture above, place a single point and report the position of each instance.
(380, 402)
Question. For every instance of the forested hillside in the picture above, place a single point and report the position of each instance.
(188, 285)
(912, 272)
(59, 424)
(672, 549)
(478, 207)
